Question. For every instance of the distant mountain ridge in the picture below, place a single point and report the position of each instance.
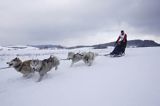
(143, 43)
(130, 43)
(48, 46)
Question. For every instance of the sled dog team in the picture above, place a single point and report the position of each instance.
(28, 67)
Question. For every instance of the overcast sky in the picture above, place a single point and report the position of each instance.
(74, 22)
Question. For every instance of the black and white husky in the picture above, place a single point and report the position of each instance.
(44, 66)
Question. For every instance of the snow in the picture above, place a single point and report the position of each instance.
(132, 80)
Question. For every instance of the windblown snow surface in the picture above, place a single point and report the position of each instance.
(131, 80)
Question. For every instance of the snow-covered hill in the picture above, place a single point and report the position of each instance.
(132, 80)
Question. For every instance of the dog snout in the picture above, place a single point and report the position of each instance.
(34, 68)
(10, 64)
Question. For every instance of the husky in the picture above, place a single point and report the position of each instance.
(75, 57)
(44, 66)
(22, 67)
(87, 57)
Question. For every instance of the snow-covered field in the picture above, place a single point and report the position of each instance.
(132, 80)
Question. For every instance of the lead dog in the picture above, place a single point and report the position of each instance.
(22, 67)
(44, 66)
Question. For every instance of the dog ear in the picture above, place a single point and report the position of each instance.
(16, 58)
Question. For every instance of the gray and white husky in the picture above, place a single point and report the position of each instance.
(75, 57)
(44, 66)
(22, 67)
(87, 57)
